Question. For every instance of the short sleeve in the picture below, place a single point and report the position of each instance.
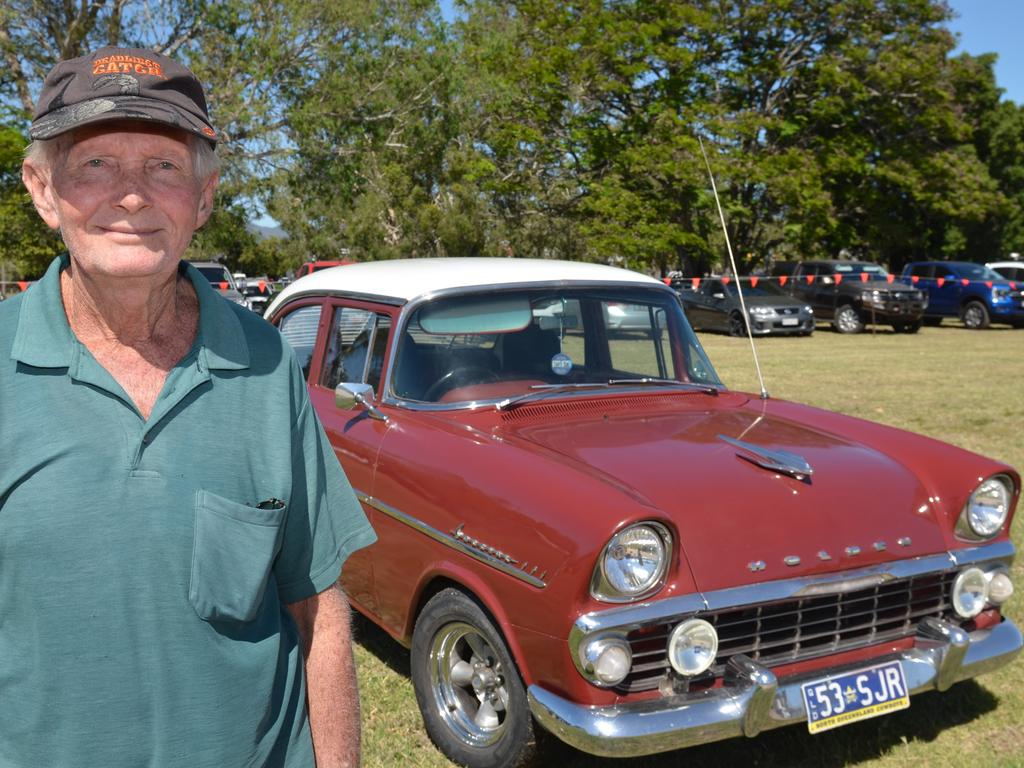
(325, 522)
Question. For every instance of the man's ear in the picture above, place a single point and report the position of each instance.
(206, 200)
(39, 184)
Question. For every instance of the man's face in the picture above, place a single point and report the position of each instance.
(125, 199)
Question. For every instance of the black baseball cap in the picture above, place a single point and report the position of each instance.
(121, 84)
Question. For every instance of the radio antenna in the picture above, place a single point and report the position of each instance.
(735, 272)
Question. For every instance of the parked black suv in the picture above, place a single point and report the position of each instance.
(853, 294)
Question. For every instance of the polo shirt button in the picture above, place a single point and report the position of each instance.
(146, 438)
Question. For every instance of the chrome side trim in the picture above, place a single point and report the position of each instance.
(753, 699)
(505, 564)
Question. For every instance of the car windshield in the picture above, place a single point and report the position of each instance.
(978, 272)
(873, 270)
(216, 274)
(493, 347)
(763, 288)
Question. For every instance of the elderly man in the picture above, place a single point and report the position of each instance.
(167, 568)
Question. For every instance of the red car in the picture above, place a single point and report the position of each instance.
(582, 530)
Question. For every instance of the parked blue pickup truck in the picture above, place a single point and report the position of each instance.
(972, 292)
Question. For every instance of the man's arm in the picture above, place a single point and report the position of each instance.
(324, 629)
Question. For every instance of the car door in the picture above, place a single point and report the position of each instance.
(944, 291)
(805, 287)
(352, 339)
(718, 305)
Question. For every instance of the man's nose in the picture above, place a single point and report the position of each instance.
(132, 192)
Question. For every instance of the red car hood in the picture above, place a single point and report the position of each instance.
(738, 522)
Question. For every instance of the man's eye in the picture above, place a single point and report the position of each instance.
(166, 166)
(94, 163)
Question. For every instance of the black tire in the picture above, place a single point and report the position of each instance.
(931, 322)
(736, 326)
(974, 315)
(911, 327)
(847, 319)
(467, 686)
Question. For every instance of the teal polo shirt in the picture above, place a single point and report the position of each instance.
(145, 564)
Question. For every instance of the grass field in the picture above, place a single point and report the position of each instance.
(964, 387)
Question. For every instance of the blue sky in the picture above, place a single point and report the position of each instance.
(994, 26)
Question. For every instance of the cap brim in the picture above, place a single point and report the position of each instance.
(107, 108)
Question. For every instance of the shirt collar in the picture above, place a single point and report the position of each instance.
(44, 339)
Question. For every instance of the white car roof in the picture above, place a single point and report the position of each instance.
(994, 264)
(401, 280)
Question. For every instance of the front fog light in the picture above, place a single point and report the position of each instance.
(692, 647)
(1000, 588)
(970, 592)
(607, 659)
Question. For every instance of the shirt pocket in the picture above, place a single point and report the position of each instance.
(233, 550)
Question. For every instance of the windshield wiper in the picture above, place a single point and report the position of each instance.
(545, 389)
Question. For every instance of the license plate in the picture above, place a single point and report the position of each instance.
(790, 321)
(842, 699)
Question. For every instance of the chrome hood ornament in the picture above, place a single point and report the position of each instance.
(783, 462)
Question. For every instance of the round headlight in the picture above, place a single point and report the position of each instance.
(607, 659)
(633, 563)
(970, 593)
(986, 509)
(692, 647)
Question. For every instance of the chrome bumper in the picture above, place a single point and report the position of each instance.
(753, 700)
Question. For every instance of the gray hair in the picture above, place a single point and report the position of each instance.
(50, 152)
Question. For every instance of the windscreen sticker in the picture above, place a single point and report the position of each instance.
(561, 364)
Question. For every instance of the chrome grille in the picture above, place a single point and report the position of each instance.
(799, 629)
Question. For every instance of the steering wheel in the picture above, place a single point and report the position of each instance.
(459, 377)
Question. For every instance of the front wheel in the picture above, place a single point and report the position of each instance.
(847, 320)
(736, 325)
(468, 689)
(974, 315)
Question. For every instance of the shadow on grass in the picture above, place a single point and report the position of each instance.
(378, 642)
(794, 747)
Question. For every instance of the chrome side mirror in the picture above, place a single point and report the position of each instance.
(348, 394)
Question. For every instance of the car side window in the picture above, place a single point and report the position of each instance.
(348, 346)
(299, 330)
(922, 270)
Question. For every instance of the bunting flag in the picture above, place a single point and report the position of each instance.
(223, 286)
(753, 280)
(23, 284)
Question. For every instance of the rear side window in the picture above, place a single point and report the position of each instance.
(299, 330)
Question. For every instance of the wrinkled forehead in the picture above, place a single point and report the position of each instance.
(128, 133)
